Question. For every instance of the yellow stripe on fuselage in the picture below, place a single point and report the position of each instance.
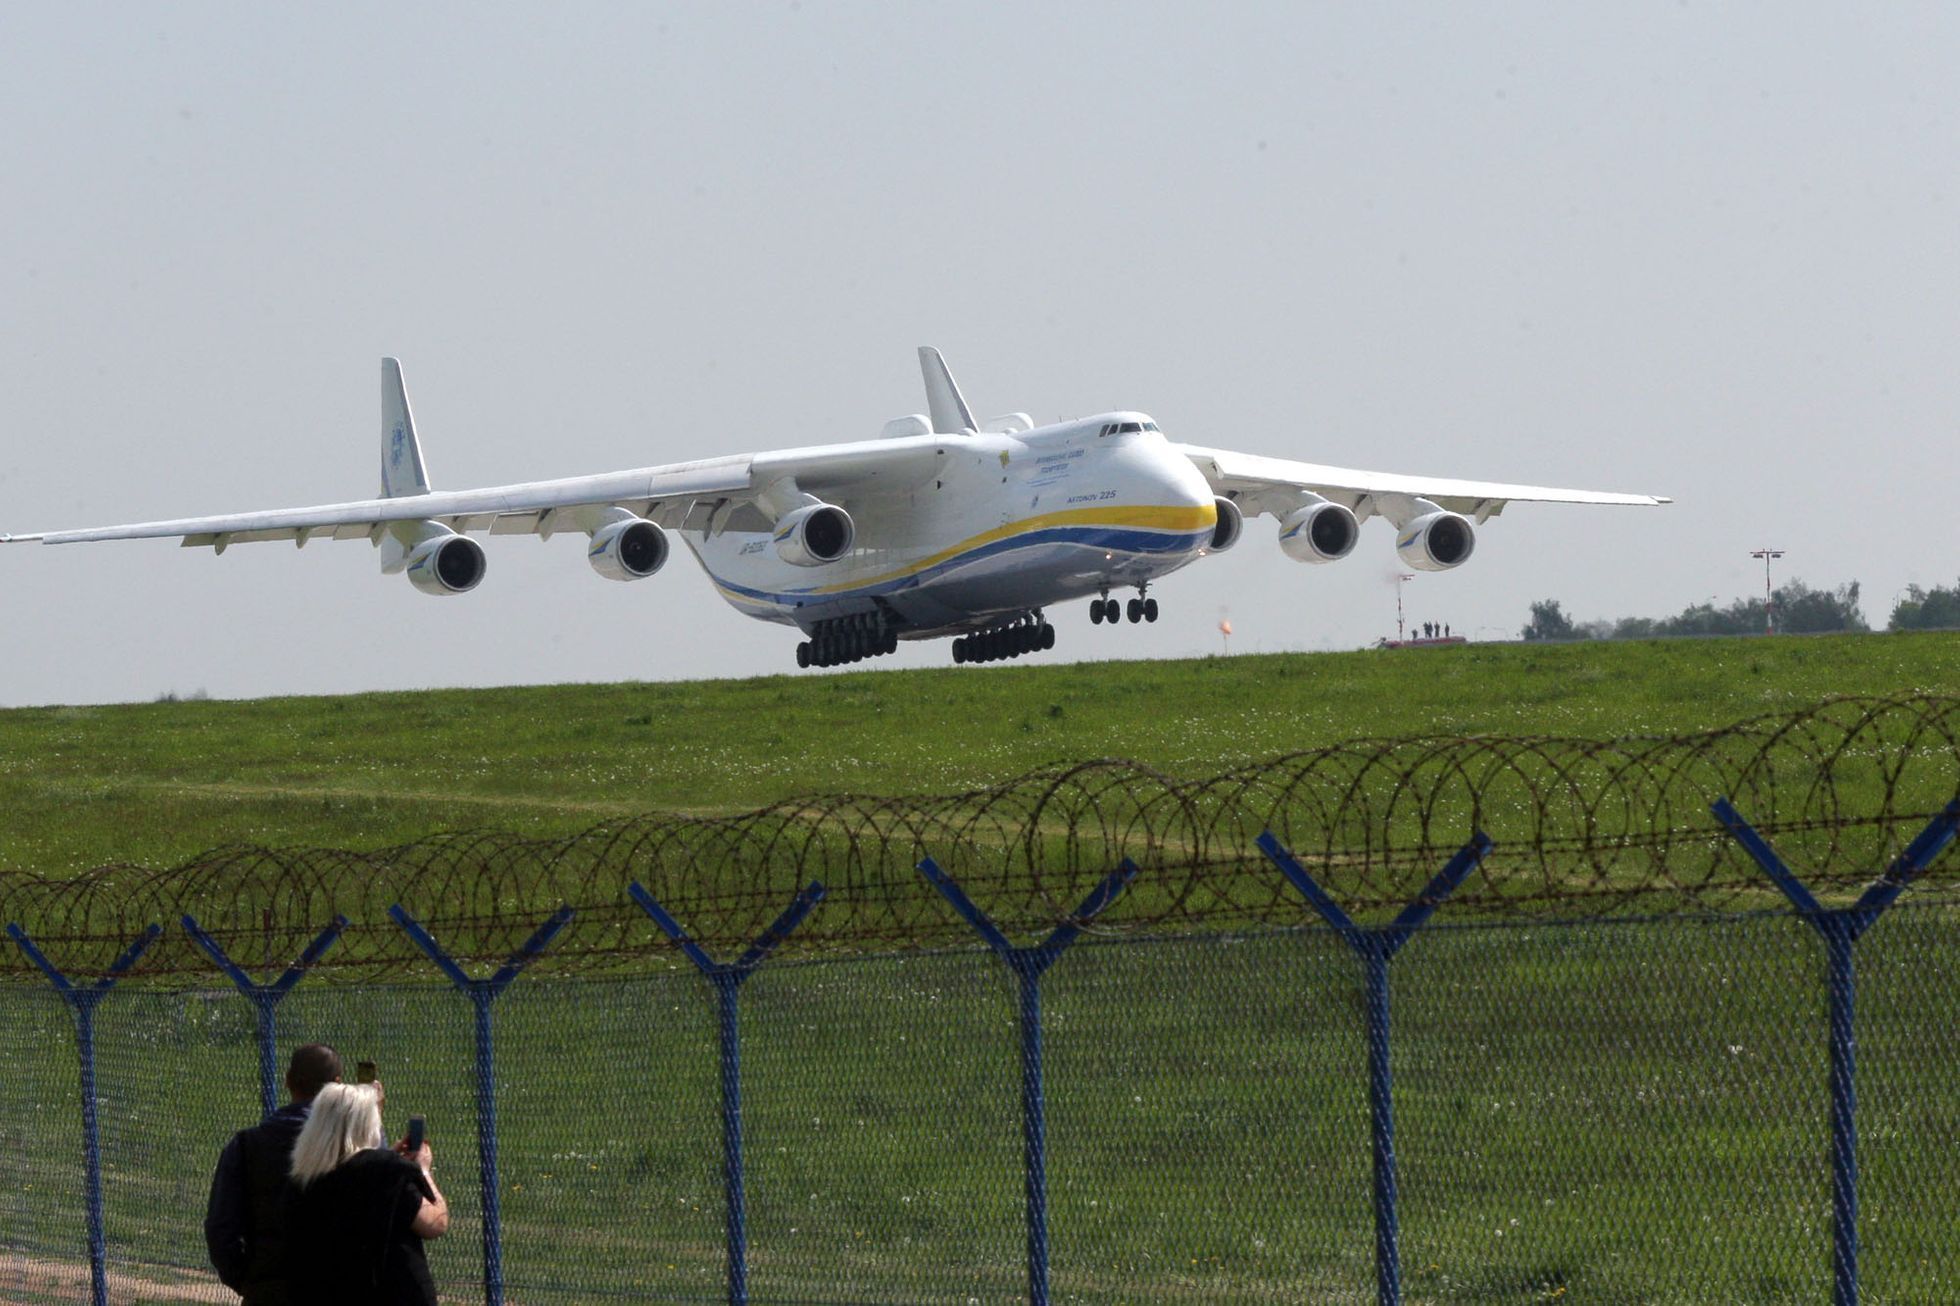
(1139, 517)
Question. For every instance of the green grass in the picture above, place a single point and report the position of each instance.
(158, 783)
(1625, 1113)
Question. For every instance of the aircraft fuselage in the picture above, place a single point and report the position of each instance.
(1009, 524)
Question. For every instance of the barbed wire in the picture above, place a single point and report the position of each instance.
(1582, 828)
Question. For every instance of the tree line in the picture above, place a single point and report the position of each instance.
(1797, 609)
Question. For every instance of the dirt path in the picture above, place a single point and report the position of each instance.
(25, 1281)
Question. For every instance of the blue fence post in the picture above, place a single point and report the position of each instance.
(481, 993)
(1028, 965)
(1376, 947)
(727, 979)
(82, 1000)
(1840, 929)
(265, 998)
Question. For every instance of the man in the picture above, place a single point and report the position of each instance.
(244, 1224)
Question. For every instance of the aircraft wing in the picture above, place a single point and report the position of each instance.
(693, 494)
(1275, 485)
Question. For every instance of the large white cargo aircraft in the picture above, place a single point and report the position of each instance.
(942, 526)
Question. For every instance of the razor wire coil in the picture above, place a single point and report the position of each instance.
(1584, 828)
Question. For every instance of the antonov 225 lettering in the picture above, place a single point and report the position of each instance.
(943, 526)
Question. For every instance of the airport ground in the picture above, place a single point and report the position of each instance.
(160, 782)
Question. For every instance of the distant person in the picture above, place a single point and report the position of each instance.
(360, 1211)
(1446, 630)
(244, 1222)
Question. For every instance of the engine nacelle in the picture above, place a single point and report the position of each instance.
(1436, 542)
(628, 550)
(815, 534)
(447, 564)
(1230, 525)
(1318, 532)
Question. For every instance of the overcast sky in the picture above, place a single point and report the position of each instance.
(1706, 252)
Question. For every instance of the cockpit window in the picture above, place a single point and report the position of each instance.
(1151, 426)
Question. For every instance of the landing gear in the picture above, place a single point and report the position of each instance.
(1140, 608)
(842, 640)
(1029, 634)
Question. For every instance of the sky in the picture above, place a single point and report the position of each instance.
(1710, 252)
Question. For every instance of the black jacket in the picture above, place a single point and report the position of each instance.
(351, 1237)
(245, 1222)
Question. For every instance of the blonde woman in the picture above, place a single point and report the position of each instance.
(360, 1211)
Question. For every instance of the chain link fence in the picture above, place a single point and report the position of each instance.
(1605, 1111)
(1614, 1066)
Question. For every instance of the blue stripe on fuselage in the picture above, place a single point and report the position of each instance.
(1115, 538)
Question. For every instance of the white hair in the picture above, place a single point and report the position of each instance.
(346, 1119)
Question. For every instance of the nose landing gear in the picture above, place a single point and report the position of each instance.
(1140, 608)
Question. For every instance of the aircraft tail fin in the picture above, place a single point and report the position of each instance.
(402, 471)
(949, 410)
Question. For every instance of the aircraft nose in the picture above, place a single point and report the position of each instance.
(1184, 490)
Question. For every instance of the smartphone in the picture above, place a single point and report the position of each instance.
(364, 1072)
(418, 1129)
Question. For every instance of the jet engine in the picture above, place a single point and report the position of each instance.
(1318, 532)
(814, 534)
(1436, 542)
(1230, 525)
(446, 564)
(628, 550)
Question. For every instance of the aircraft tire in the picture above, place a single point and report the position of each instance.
(1047, 636)
(1134, 611)
(803, 654)
(1095, 612)
(1150, 609)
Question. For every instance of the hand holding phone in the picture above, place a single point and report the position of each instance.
(415, 1143)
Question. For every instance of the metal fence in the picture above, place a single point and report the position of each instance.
(1636, 1109)
(1355, 1057)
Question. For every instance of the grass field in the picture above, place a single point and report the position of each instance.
(157, 783)
(1624, 1113)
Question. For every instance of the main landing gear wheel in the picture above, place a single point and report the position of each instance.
(1028, 635)
(848, 639)
(1105, 609)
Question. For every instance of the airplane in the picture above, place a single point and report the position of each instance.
(942, 526)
